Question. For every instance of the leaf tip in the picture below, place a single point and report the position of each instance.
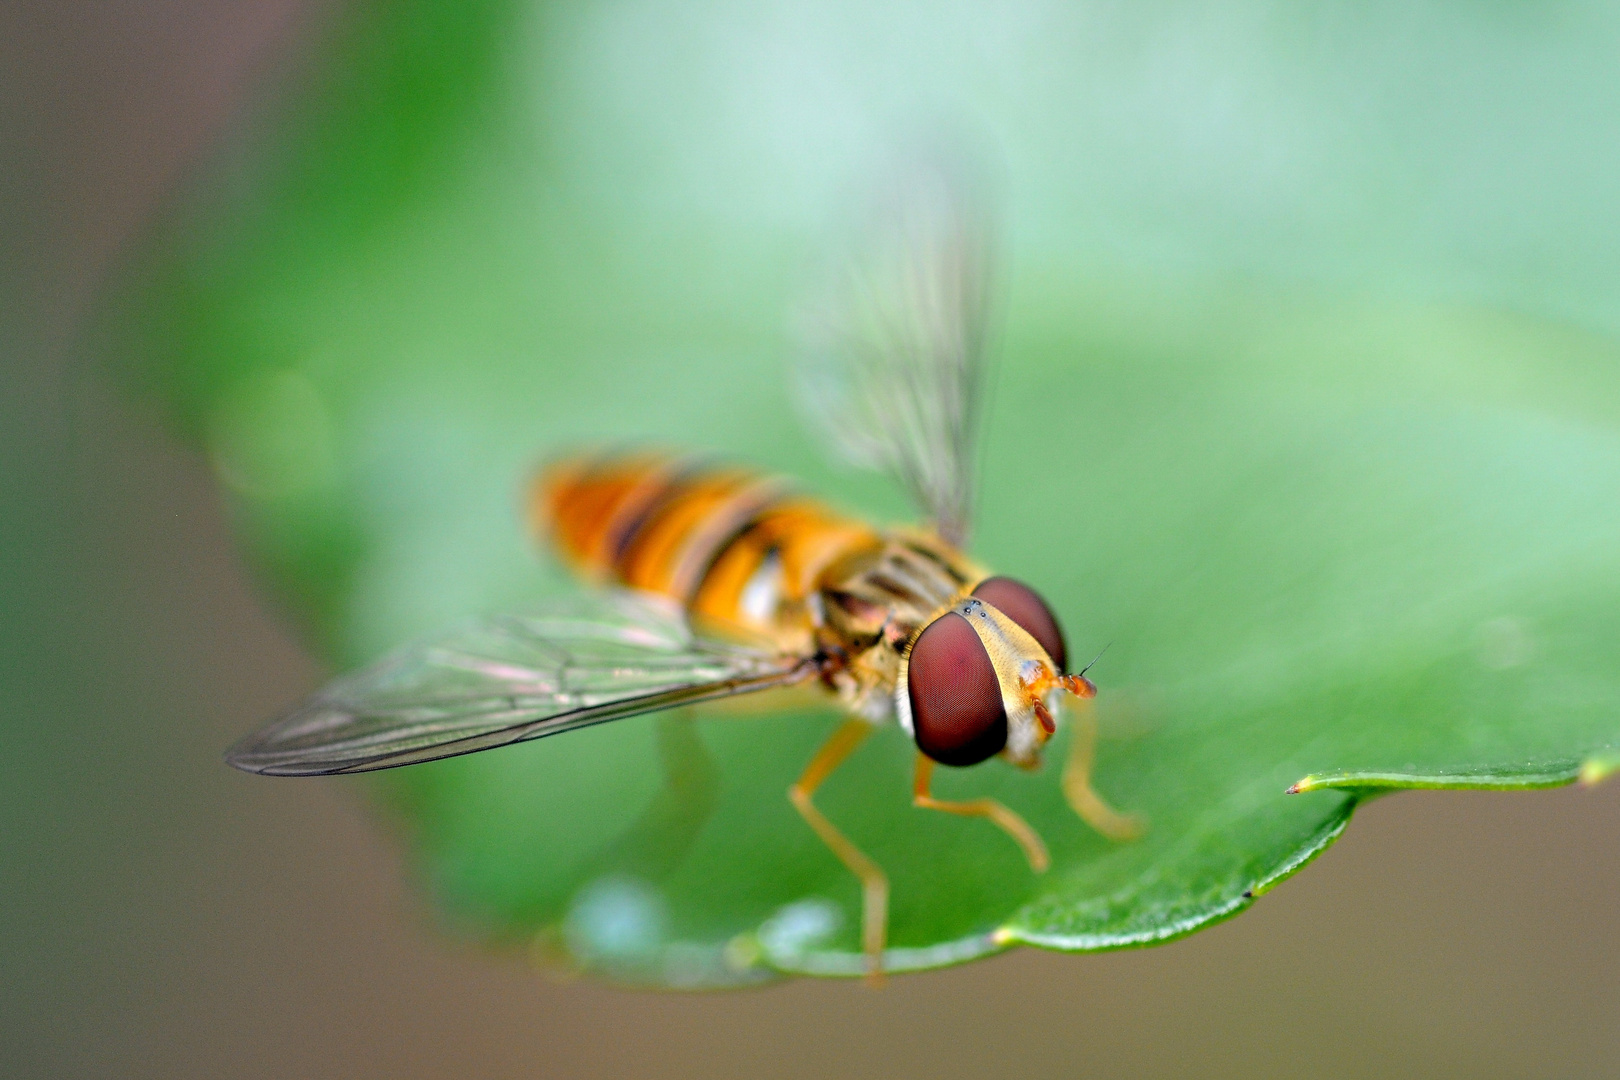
(1599, 767)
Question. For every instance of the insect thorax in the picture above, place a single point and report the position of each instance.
(874, 603)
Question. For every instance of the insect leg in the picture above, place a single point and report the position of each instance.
(874, 883)
(1077, 789)
(659, 840)
(1003, 818)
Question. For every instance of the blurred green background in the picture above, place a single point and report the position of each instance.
(1262, 221)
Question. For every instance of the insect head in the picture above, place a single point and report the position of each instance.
(981, 678)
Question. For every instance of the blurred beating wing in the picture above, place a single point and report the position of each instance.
(895, 352)
(507, 679)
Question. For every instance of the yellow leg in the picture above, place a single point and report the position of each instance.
(874, 884)
(1077, 787)
(1003, 818)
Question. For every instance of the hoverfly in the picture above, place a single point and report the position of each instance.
(719, 582)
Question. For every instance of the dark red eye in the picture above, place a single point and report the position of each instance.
(1023, 605)
(955, 699)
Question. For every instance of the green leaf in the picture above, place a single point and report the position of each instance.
(1511, 776)
(1289, 411)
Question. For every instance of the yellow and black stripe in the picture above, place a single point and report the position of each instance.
(729, 545)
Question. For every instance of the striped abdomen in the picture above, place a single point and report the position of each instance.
(727, 544)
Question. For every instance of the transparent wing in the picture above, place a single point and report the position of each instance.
(894, 354)
(507, 679)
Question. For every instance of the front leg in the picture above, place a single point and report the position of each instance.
(1077, 789)
(1003, 818)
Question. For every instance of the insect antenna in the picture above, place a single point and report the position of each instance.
(1094, 659)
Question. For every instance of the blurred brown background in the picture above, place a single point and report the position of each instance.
(166, 917)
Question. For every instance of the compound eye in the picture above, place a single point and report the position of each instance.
(1024, 606)
(956, 709)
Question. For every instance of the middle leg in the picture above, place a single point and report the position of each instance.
(874, 883)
